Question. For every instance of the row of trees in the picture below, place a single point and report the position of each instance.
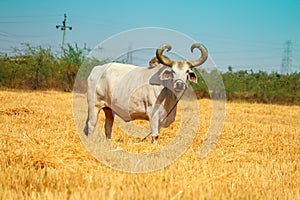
(38, 68)
(258, 87)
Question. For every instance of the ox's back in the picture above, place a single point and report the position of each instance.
(102, 80)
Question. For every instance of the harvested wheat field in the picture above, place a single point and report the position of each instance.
(42, 157)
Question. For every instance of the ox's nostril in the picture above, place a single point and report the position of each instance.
(179, 85)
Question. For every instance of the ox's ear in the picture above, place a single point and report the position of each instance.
(166, 74)
(192, 77)
(154, 62)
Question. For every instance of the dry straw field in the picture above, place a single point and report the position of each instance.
(42, 157)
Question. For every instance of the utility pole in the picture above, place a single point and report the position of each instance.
(286, 58)
(63, 28)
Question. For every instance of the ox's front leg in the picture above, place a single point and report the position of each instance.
(154, 119)
(109, 120)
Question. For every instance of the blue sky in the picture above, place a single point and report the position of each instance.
(243, 34)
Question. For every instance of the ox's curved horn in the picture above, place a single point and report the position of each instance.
(203, 57)
(164, 59)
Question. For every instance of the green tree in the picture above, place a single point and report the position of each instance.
(70, 63)
(34, 66)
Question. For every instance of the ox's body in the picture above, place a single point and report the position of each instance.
(130, 92)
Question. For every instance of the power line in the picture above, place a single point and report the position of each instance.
(63, 28)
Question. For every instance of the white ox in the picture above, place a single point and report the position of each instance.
(132, 92)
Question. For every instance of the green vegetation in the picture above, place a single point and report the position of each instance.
(38, 68)
(258, 87)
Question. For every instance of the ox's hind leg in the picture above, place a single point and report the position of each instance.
(109, 120)
(91, 120)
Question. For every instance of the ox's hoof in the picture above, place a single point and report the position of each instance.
(154, 139)
(86, 132)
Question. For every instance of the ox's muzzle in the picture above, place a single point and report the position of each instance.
(179, 85)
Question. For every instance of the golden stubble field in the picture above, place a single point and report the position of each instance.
(42, 157)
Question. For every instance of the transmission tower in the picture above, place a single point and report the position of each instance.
(129, 55)
(63, 27)
(286, 58)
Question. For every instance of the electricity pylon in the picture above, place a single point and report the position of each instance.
(286, 58)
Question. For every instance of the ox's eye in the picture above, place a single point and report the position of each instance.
(166, 75)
